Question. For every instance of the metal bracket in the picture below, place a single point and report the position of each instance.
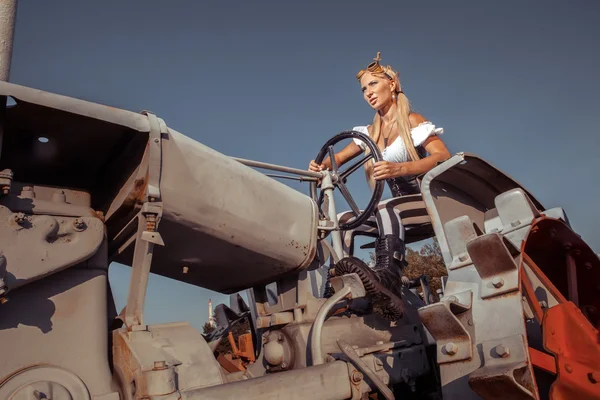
(453, 340)
(515, 210)
(459, 302)
(506, 370)
(459, 231)
(147, 235)
(496, 266)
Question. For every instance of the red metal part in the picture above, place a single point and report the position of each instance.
(565, 264)
(576, 345)
(542, 360)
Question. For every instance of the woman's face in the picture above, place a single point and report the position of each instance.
(376, 91)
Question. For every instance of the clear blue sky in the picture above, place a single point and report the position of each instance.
(514, 81)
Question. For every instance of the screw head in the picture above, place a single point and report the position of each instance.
(594, 377)
(502, 350)
(451, 348)
(357, 376)
(498, 282)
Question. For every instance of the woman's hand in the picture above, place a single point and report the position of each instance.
(314, 167)
(386, 170)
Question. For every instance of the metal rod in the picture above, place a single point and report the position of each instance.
(328, 381)
(301, 179)
(8, 12)
(315, 347)
(138, 282)
(274, 167)
(360, 364)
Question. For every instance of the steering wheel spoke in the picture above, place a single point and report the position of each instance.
(355, 166)
(334, 166)
(346, 193)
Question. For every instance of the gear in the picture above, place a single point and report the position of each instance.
(386, 303)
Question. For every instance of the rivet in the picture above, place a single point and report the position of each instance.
(568, 368)
(588, 265)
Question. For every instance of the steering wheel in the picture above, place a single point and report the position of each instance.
(339, 178)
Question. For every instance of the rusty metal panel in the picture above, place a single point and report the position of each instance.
(495, 265)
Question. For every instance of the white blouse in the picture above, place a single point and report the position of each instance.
(396, 152)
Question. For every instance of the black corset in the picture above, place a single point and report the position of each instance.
(403, 186)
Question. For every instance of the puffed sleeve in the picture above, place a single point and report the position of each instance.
(360, 143)
(424, 130)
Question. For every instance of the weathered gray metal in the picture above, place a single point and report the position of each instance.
(83, 185)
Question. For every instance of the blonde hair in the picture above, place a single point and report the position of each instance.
(402, 115)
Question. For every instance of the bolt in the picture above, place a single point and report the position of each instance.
(5, 190)
(185, 269)
(451, 348)
(463, 258)
(568, 368)
(283, 365)
(470, 322)
(502, 350)
(19, 218)
(357, 376)
(452, 299)
(498, 282)
(79, 224)
(156, 140)
(588, 265)
(379, 342)
(594, 377)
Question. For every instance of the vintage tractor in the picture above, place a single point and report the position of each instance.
(83, 185)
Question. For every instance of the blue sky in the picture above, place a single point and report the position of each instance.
(515, 82)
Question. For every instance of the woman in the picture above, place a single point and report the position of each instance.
(410, 147)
